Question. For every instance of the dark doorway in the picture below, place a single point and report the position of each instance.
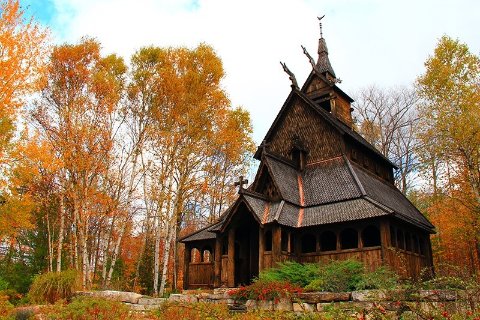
(246, 247)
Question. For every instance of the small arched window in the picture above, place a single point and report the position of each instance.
(207, 254)
(328, 241)
(268, 240)
(371, 236)
(195, 256)
(309, 243)
(349, 239)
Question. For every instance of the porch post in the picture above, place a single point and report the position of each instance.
(217, 262)
(385, 241)
(276, 244)
(261, 248)
(231, 258)
(186, 264)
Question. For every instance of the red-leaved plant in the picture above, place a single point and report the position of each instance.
(265, 290)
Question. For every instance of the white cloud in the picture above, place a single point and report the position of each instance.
(371, 41)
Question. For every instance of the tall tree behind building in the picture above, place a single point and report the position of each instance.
(450, 132)
(387, 118)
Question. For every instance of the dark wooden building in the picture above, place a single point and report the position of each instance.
(321, 192)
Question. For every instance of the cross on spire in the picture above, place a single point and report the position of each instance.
(321, 30)
(241, 181)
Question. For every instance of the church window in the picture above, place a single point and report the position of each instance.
(393, 236)
(207, 254)
(309, 243)
(349, 239)
(285, 240)
(292, 243)
(328, 241)
(354, 154)
(371, 236)
(400, 239)
(423, 245)
(195, 255)
(416, 244)
(225, 246)
(268, 240)
(408, 241)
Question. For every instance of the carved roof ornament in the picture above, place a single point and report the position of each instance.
(291, 76)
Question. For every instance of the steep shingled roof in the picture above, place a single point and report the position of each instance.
(334, 191)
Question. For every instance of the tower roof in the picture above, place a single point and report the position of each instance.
(323, 63)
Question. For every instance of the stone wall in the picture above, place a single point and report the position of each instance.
(370, 301)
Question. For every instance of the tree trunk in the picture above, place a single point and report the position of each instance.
(60, 233)
(116, 251)
(166, 255)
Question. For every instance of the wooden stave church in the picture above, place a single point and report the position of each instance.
(321, 192)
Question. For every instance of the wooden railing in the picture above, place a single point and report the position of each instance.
(200, 275)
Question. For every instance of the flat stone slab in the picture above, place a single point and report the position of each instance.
(369, 295)
(121, 296)
(185, 298)
(151, 301)
(438, 295)
(318, 297)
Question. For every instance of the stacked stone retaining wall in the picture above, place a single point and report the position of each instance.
(379, 301)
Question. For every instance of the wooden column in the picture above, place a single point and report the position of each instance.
(261, 248)
(218, 262)
(186, 264)
(231, 258)
(276, 244)
(385, 240)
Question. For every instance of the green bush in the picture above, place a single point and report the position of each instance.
(293, 272)
(86, 308)
(52, 286)
(381, 278)
(338, 276)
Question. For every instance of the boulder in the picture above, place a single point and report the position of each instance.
(283, 305)
(318, 297)
(265, 305)
(251, 305)
(304, 307)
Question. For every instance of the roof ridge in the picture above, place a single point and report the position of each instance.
(354, 175)
(322, 161)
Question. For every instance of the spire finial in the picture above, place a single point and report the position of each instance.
(320, 23)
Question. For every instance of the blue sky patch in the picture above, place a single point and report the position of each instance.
(42, 10)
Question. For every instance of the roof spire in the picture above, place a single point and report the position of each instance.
(323, 63)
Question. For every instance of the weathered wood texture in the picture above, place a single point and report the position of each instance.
(368, 160)
(320, 138)
(342, 110)
(371, 257)
(224, 270)
(201, 275)
(406, 264)
(231, 258)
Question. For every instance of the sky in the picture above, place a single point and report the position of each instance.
(370, 42)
